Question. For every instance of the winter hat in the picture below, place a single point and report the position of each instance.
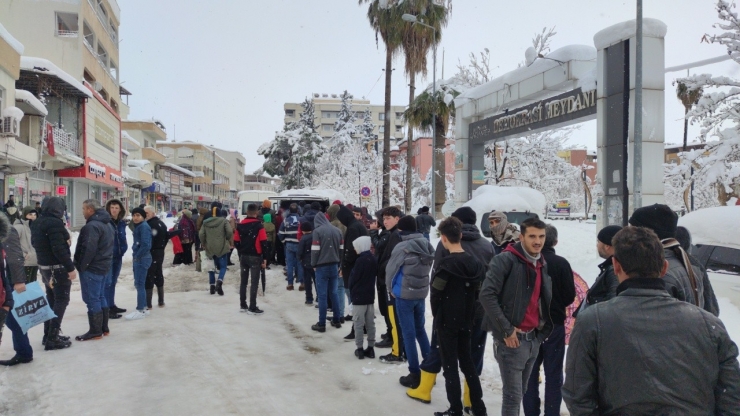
(424, 210)
(316, 205)
(337, 202)
(499, 229)
(266, 204)
(267, 218)
(139, 211)
(306, 227)
(187, 213)
(407, 223)
(658, 217)
(29, 210)
(11, 209)
(466, 215)
(607, 234)
(362, 244)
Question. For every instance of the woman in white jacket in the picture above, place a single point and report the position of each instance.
(23, 226)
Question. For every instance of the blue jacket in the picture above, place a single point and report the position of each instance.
(289, 229)
(120, 245)
(142, 240)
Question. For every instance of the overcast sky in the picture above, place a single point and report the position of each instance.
(221, 70)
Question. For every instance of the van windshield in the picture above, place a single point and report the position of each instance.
(246, 203)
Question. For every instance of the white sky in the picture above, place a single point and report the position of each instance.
(221, 70)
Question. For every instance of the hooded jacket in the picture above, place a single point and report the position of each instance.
(604, 287)
(644, 353)
(563, 285)
(23, 228)
(252, 237)
(216, 236)
(326, 243)
(12, 272)
(355, 229)
(677, 280)
(160, 235)
(332, 212)
(507, 291)
(49, 236)
(94, 250)
(362, 279)
(120, 245)
(186, 227)
(407, 272)
(142, 247)
(454, 289)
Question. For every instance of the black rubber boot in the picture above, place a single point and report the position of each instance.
(47, 325)
(55, 342)
(213, 289)
(160, 296)
(149, 293)
(219, 287)
(106, 315)
(95, 321)
(15, 361)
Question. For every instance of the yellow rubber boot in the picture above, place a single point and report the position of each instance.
(423, 393)
(395, 350)
(466, 396)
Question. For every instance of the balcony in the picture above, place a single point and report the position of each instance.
(151, 154)
(19, 157)
(66, 146)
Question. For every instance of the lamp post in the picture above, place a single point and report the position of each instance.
(414, 20)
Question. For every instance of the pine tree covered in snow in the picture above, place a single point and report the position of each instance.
(718, 164)
(295, 152)
(344, 127)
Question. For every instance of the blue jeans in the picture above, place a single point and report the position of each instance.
(141, 267)
(552, 353)
(92, 287)
(21, 345)
(291, 259)
(112, 280)
(221, 263)
(326, 285)
(411, 318)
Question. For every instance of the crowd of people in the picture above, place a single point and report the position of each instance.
(647, 338)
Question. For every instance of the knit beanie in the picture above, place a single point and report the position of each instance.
(658, 217)
(424, 210)
(266, 204)
(139, 211)
(607, 234)
(407, 223)
(466, 215)
(28, 210)
(337, 202)
(306, 227)
(316, 205)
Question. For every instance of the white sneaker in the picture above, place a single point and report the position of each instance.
(137, 315)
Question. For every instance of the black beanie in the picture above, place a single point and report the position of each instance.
(139, 211)
(424, 210)
(607, 234)
(316, 205)
(658, 217)
(306, 226)
(466, 215)
(407, 223)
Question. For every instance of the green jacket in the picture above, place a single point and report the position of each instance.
(216, 236)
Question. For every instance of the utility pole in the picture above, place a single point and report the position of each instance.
(637, 161)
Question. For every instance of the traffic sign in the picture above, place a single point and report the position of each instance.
(365, 191)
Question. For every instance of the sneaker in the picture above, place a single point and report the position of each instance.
(213, 289)
(448, 412)
(310, 303)
(391, 359)
(348, 318)
(318, 328)
(350, 337)
(336, 324)
(384, 336)
(219, 287)
(243, 308)
(341, 320)
(137, 315)
(316, 306)
(360, 353)
(290, 287)
(386, 343)
(255, 311)
(370, 352)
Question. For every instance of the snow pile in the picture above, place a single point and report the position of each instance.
(13, 42)
(44, 66)
(329, 194)
(718, 226)
(14, 112)
(502, 198)
(651, 28)
(27, 97)
(179, 169)
(125, 135)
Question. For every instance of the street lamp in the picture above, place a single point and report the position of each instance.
(414, 20)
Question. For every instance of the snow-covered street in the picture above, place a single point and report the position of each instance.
(200, 355)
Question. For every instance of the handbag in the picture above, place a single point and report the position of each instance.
(31, 307)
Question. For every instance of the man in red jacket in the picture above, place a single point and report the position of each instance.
(252, 257)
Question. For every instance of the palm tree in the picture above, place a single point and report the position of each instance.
(386, 20)
(421, 114)
(416, 42)
(689, 98)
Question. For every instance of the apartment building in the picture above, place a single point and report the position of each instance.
(421, 156)
(580, 158)
(326, 108)
(211, 180)
(237, 163)
(262, 182)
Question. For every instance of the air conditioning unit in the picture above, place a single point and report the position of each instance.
(11, 126)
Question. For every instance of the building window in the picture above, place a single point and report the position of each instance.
(399, 115)
(88, 77)
(101, 10)
(399, 129)
(103, 56)
(114, 105)
(289, 113)
(327, 127)
(88, 37)
(113, 70)
(381, 129)
(67, 25)
(381, 116)
(104, 94)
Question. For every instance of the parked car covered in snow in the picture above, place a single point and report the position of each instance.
(715, 234)
(519, 203)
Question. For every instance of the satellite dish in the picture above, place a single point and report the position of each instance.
(530, 55)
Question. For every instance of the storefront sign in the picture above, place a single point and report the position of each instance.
(61, 190)
(479, 177)
(96, 169)
(116, 178)
(11, 182)
(104, 135)
(20, 182)
(561, 108)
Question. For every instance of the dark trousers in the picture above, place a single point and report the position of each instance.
(21, 345)
(309, 276)
(31, 273)
(383, 305)
(433, 362)
(454, 348)
(186, 257)
(250, 265)
(395, 324)
(280, 252)
(154, 276)
(552, 353)
(58, 297)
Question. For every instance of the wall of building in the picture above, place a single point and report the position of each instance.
(421, 159)
(103, 131)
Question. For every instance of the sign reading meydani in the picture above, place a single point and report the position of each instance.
(564, 107)
(104, 134)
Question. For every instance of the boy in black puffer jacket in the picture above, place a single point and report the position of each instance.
(304, 260)
(362, 292)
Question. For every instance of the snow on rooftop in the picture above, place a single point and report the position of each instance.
(125, 152)
(179, 169)
(30, 99)
(652, 28)
(506, 198)
(719, 226)
(44, 66)
(564, 54)
(680, 145)
(128, 137)
(139, 163)
(13, 42)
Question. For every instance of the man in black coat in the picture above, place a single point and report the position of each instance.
(93, 258)
(155, 275)
(552, 349)
(644, 353)
(355, 229)
(390, 218)
(424, 221)
(49, 238)
(605, 285)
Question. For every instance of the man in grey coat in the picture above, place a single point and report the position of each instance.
(643, 352)
(326, 248)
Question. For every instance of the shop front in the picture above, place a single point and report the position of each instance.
(93, 180)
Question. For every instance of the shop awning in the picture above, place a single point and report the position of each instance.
(30, 104)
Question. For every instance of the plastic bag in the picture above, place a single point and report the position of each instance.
(31, 307)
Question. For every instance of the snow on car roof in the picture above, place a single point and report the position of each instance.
(717, 226)
(507, 198)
